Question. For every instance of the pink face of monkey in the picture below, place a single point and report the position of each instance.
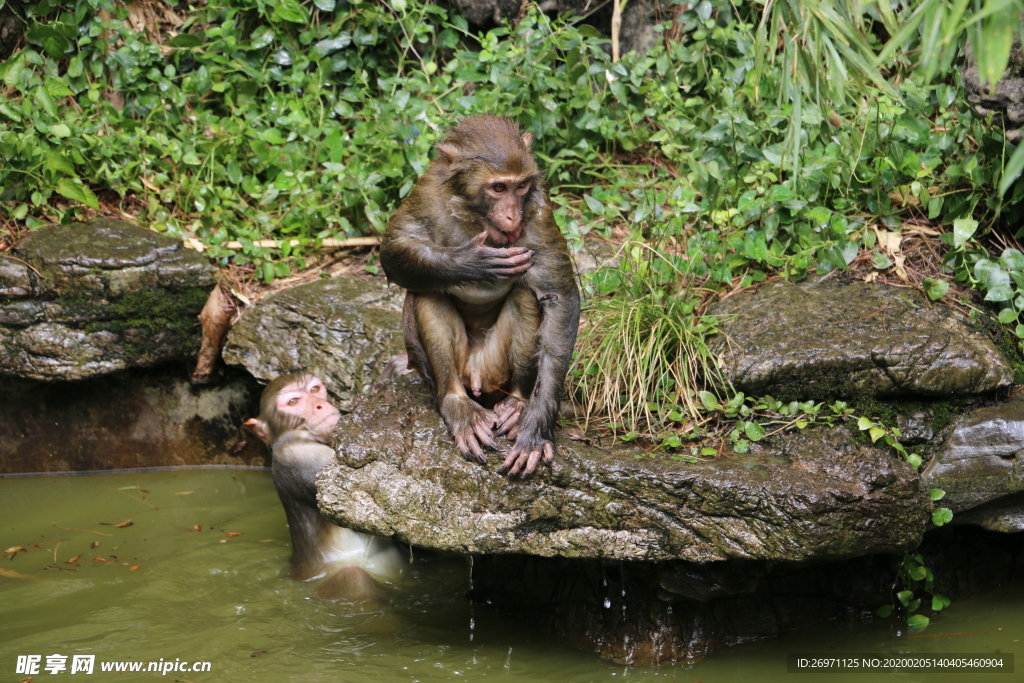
(306, 399)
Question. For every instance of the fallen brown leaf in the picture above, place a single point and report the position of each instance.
(133, 568)
(234, 533)
(123, 524)
(11, 574)
(74, 560)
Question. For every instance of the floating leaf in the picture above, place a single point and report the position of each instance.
(918, 622)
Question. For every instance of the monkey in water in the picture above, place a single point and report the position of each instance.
(492, 307)
(296, 421)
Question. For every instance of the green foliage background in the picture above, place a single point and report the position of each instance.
(751, 140)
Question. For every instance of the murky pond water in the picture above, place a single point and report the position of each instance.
(198, 576)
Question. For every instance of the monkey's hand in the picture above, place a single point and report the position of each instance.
(531, 445)
(474, 260)
(471, 426)
(509, 411)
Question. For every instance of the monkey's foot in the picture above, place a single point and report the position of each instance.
(471, 426)
(525, 455)
(509, 412)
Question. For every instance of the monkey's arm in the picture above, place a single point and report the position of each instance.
(413, 259)
(553, 281)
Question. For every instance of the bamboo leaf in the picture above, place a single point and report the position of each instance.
(1012, 170)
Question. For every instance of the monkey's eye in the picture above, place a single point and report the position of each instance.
(292, 401)
(499, 187)
(314, 389)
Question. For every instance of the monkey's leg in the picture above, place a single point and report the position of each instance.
(520, 321)
(442, 336)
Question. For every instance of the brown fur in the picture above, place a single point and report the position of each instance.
(493, 307)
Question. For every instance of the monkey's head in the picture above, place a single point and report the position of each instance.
(491, 171)
(291, 402)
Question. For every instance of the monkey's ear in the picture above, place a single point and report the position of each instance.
(259, 428)
(447, 153)
(527, 139)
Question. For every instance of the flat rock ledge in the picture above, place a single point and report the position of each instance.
(816, 495)
(342, 329)
(88, 299)
(825, 341)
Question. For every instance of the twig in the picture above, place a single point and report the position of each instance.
(15, 258)
(140, 500)
(327, 244)
(65, 528)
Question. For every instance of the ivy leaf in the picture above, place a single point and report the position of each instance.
(709, 401)
(55, 161)
(936, 494)
(941, 516)
(291, 10)
(935, 289)
(754, 431)
(79, 193)
(964, 229)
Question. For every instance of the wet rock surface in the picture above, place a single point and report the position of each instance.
(982, 459)
(824, 341)
(138, 418)
(646, 614)
(629, 613)
(815, 495)
(343, 330)
(87, 299)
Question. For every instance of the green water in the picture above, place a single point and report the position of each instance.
(168, 591)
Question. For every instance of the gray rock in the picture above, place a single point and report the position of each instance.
(1003, 100)
(825, 341)
(982, 459)
(87, 299)
(1003, 515)
(343, 330)
(916, 429)
(639, 17)
(814, 495)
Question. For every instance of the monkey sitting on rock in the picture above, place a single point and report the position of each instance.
(492, 307)
(296, 420)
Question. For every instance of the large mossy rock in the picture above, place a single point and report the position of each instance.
(825, 341)
(88, 299)
(982, 460)
(341, 329)
(815, 495)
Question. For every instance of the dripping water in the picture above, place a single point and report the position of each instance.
(472, 604)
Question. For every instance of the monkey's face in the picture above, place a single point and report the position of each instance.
(305, 400)
(504, 198)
